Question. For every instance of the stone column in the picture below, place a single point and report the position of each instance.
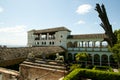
(40, 36)
(72, 56)
(108, 60)
(82, 43)
(100, 61)
(47, 36)
(92, 59)
(100, 46)
(93, 45)
(88, 44)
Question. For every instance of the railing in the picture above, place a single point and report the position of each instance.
(87, 49)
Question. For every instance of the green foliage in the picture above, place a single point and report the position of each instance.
(81, 56)
(103, 68)
(74, 66)
(117, 34)
(77, 74)
(116, 48)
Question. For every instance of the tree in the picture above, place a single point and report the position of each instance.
(82, 57)
(116, 48)
(117, 34)
(116, 53)
(106, 25)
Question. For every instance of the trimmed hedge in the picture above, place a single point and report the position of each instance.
(77, 74)
(103, 68)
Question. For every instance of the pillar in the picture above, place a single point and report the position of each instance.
(100, 46)
(92, 59)
(47, 36)
(100, 60)
(40, 36)
(93, 45)
(72, 56)
(88, 44)
(82, 43)
(108, 60)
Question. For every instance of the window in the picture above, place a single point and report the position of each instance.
(52, 43)
(37, 43)
(43, 43)
(61, 36)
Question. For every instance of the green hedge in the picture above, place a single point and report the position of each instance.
(92, 74)
(103, 68)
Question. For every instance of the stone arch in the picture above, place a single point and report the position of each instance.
(70, 57)
(84, 44)
(97, 44)
(80, 44)
(87, 43)
(75, 44)
(104, 59)
(90, 44)
(89, 59)
(96, 59)
(69, 45)
(112, 61)
(104, 44)
(75, 57)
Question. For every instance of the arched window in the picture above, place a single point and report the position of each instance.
(96, 59)
(104, 59)
(69, 44)
(80, 44)
(90, 44)
(104, 44)
(97, 44)
(87, 44)
(70, 57)
(84, 44)
(75, 44)
(75, 57)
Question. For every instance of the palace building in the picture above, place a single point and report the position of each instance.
(93, 44)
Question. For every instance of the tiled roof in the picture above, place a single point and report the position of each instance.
(48, 49)
(51, 30)
(14, 53)
(87, 36)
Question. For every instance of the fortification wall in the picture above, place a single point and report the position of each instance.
(11, 56)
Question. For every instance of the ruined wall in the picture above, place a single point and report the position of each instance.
(35, 72)
(11, 56)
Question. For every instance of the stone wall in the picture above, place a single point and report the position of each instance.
(7, 74)
(11, 56)
(33, 71)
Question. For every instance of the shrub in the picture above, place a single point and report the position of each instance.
(74, 66)
(103, 68)
(92, 74)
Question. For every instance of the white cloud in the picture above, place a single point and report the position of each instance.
(81, 22)
(85, 8)
(15, 29)
(1, 9)
(1, 22)
(13, 35)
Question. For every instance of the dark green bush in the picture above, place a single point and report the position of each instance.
(74, 66)
(92, 74)
(103, 68)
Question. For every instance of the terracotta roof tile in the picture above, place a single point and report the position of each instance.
(87, 36)
(51, 30)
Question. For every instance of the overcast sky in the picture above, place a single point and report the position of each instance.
(19, 16)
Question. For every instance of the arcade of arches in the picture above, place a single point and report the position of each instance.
(84, 44)
(99, 57)
(95, 59)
